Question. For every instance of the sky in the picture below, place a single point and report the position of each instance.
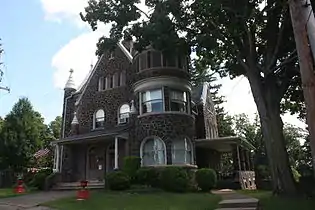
(43, 39)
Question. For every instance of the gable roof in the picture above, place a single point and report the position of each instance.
(89, 76)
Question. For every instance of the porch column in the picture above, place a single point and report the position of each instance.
(238, 157)
(116, 152)
(243, 159)
(248, 161)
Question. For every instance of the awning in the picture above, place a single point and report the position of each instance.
(96, 135)
(224, 144)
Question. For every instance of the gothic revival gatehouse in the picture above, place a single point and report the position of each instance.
(139, 104)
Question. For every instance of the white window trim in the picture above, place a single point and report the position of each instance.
(94, 118)
(162, 98)
(185, 102)
(119, 114)
(142, 145)
(186, 142)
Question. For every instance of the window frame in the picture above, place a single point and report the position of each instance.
(185, 101)
(142, 152)
(95, 119)
(148, 101)
(120, 114)
(187, 149)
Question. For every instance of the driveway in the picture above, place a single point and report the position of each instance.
(32, 201)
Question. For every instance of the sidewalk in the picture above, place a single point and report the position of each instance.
(232, 200)
(32, 201)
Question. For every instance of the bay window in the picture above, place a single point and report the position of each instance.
(178, 101)
(152, 101)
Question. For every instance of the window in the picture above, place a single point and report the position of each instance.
(152, 101)
(153, 152)
(102, 83)
(118, 79)
(111, 81)
(99, 119)
(182, 152)
(178, 101)
(123, 114)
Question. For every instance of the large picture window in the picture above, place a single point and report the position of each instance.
(153, 152)
(152, 101)
(178, 101)
(182, 152)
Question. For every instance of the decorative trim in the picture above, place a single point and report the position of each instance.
(159, 82)
(165, 113)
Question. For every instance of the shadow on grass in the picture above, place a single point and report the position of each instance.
(269, 202)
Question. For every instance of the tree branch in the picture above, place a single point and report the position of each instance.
(140, 10)
(279, 41)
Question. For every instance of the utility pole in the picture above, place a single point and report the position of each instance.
(300, 14)
(1, 73)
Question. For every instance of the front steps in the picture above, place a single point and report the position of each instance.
(77, 185)
(235, 201)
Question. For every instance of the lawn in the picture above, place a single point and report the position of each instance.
(9, 192)
(128, 201)
(269, 202)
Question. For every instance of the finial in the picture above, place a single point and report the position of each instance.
(70, 83)
(75, 120)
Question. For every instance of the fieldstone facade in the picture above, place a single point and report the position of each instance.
(121, 77)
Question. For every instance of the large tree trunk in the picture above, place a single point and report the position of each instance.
(268, 105)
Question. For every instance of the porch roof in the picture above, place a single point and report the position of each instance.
(224, 144)
(96, 135)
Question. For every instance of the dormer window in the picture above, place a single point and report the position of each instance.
(99, 119)
(123, 116)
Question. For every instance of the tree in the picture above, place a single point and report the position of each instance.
(251, 38)
(55, 127)
(20, 135)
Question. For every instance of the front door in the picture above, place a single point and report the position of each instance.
(95, 166)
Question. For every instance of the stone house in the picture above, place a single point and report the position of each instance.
(139, 104)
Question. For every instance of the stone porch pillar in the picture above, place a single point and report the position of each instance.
(243, 159)
(238, 157)
(248, 163)
(116, 153)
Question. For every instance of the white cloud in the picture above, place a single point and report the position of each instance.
(78, 54)
(59, 10)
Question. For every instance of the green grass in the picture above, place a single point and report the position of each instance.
(9, 192)
(270, 202)
(127, 201)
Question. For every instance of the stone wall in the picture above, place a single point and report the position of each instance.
(167, 126)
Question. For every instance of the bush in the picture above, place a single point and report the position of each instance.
(118, 180)
(148, 176)
(174, 179)
(39, 178)
(206, 179)
(131, 165)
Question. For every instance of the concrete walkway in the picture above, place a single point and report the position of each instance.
(232, 200)
(32, 201)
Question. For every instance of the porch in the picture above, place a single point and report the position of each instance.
(231, 157)
(88, 157)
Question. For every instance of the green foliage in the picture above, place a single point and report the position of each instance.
(149, 176)
(21, 135)
(55, 127)
(131, 165)
(206, 179)
(39, 179)
(174, 179)
(118, 180)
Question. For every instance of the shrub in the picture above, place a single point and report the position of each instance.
(148, 176)
(118, 180)
(206, 179)
(174, 179)
(131, 165)
(39, 178)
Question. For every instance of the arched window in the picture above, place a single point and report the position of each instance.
(153, 152)
(123, 115)
(99, 119)
(182, 152)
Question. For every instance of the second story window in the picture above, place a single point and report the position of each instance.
(152, 101)
(111, 81)
(102, 83)
(178, 101)
(99, 119)
(124, 111)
